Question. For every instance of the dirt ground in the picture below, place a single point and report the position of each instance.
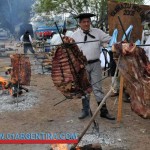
(133, 133)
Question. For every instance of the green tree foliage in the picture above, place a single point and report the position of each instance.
(132, 1)
(13, 12)
(98, 7)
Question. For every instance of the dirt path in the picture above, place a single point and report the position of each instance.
(132, 134)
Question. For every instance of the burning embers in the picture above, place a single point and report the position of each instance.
(12, 86)
(67, 147)
(4, 84)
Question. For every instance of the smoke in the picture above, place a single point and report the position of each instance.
(14, 12)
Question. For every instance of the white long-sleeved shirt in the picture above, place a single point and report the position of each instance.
(145, 35)
(92, 49)
(21, 38)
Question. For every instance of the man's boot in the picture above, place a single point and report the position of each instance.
(85, 110)
(126, 97)
(104, 112)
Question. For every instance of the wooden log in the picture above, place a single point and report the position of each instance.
(59, 147)
(119, 115)
(96, 146)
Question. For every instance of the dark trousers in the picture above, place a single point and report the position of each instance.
(28, 47)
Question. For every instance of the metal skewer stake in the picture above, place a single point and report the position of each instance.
(77, 79)
(51, 45)
(123, 29)
(98, 108)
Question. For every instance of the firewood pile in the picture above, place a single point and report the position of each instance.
(11, 87)
(85, 147)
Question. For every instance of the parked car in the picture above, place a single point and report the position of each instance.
(4, 34)
(46, 32)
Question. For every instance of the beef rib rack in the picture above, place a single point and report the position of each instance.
(68, 70)
(135, 68)
(21, 69)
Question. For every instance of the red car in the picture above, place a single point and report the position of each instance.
(44, 32)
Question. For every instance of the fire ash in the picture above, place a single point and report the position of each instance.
(9, 96)
(25, 101)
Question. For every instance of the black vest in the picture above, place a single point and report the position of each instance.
(26, 39)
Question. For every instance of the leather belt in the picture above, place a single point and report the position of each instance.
(93, 61)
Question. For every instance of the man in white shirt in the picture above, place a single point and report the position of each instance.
(92, 52)
(147, 48)
(27, 40)
(147, 22)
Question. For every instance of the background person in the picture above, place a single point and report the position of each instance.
(27, 42)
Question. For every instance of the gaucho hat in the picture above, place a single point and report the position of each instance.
(84, 15)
